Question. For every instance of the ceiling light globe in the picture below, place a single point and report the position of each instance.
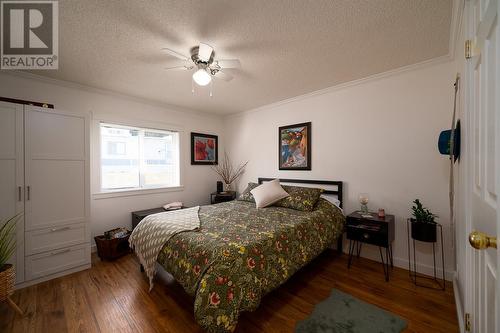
(201, 77)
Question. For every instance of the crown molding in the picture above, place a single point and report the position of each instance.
(111, 93)
(372, 78)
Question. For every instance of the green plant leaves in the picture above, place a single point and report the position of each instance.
(7, 239)
(422, 214)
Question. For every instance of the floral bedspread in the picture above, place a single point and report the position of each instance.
(241, 253)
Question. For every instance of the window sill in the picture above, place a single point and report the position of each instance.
(142, 191)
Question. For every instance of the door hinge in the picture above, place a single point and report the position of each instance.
(468, 49)
(467, 322)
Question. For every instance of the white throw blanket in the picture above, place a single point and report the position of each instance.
(151, 234)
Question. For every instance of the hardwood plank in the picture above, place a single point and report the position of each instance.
(79, 316)
(50, 314)
(115, 297)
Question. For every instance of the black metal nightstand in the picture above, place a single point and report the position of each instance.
(216, 197)
(140, 214)
(371, 230)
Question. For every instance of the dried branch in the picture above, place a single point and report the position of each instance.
(226, 171)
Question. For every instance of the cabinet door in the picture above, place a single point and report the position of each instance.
(56, 168)
(12, 176)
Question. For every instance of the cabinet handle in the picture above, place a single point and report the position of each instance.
(59, 229)
(19, 190)
(27, 192)
(60, 252)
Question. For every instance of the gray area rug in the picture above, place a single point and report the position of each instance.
(343, 313)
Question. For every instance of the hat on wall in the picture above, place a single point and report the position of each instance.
(444, 142)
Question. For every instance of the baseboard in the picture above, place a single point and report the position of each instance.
(373, 254)
(458, 304)
(425, 269)
(52, 276)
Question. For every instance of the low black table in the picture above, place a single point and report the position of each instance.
(371, 230)
(140, 214)
(218, 197)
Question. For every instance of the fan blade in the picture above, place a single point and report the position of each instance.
(205, 52)
(186, 64)
(184, 68)
(229, 63)
(223, 76)
(174, 54)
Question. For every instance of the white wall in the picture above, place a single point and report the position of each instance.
(198, 181)
(378, 136)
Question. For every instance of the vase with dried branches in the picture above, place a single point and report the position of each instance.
(227, 172)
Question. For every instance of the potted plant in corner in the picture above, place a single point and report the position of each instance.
(7, 272)
(423, 226)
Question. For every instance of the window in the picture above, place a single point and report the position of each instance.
(136, 158)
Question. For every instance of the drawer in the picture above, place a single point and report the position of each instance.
(51, 262)
(365, 223)
(379, 238)
(43, 240)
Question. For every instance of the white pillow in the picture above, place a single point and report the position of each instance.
(268, 193)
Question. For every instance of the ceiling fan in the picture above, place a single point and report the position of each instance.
(203, 60)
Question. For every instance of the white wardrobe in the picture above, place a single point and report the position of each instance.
(44, 174)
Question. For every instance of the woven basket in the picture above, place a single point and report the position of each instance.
(7, 280)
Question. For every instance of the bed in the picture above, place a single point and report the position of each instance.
(241, 253)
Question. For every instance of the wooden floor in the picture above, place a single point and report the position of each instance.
(113, 297)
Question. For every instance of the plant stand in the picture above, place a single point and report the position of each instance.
(439, 283)
(7, 280)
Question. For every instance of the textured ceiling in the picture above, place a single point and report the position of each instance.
(287, 48)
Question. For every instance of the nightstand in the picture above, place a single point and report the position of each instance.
(216, 197)
(361, 228)
(140, 214)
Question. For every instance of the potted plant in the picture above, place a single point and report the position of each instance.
(7, 248)
(423, 226)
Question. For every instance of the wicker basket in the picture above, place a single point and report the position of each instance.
(110, 249)
(7, 280)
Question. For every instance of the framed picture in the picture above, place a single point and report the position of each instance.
(295, 147)
(204, 149)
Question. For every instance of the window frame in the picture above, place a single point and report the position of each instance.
(101, 193)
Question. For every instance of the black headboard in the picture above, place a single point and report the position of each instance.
(337, 192)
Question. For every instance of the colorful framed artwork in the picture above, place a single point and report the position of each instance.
(204, 149)
(295, 147)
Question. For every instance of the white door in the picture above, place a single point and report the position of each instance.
(483, 189)
(12, 175)
(56, 174)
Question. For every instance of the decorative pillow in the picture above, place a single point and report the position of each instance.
(268, 193)
(301, 198)
(246, 195)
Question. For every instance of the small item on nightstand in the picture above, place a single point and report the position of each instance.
(381, 213)
(173, 205)
(363, 200)
(220, 187)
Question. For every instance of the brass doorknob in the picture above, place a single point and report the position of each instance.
(481, 241)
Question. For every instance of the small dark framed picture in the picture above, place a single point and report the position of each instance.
(204, 149)
(295, 147)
